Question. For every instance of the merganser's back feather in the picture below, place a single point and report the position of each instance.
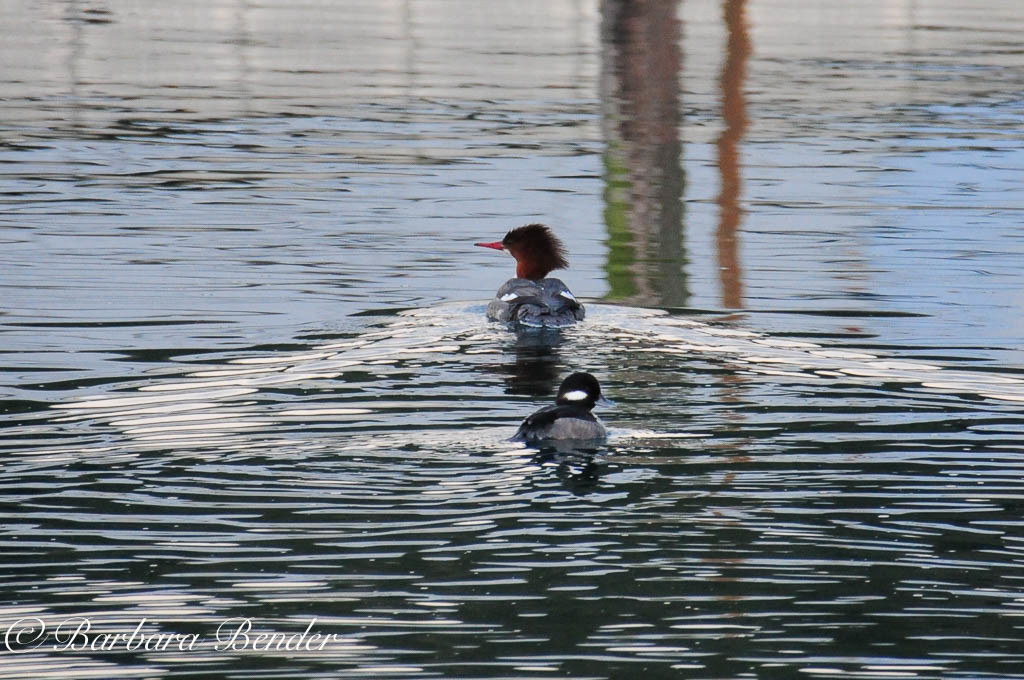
(546, 303)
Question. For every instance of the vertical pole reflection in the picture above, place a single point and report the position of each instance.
(75, 54)
(640, 62)
(734, 112)
(242, 42)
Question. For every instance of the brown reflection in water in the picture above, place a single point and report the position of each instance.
(641, 62)
(734, 112)
(731, 395)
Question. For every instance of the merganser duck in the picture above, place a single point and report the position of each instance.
(532, 299)
(570, 417)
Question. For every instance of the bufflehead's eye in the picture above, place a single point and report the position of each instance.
(508, 297)
(567, 294)
(575, 395)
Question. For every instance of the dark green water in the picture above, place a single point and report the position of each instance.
(253, 423)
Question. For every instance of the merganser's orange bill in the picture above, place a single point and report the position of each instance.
(497, 245)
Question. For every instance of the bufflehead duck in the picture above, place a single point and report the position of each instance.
(531, 299)
(570, 417)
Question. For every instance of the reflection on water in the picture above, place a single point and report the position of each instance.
(641, 59)
(734, 115)
(247, 388)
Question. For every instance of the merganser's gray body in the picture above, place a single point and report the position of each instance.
(546, 303)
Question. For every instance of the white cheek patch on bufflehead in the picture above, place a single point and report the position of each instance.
(508, 297)
(567, 294)
(575, 395)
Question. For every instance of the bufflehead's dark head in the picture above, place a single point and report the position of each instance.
(579, 389)
(538, 252)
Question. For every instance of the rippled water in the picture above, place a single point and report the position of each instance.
(248, 398)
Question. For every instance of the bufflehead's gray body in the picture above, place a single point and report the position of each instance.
(570, 417)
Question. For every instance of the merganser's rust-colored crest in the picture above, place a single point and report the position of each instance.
(537, 251)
